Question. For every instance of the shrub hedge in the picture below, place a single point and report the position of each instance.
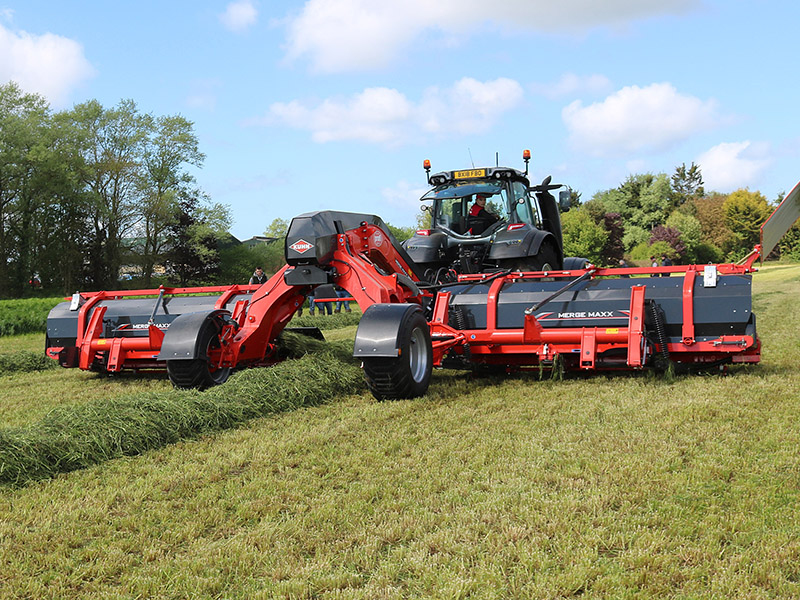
(27, 315)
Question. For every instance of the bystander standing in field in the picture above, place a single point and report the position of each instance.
(342, 293)
(258, 277)
(323, 298)
(666, 261)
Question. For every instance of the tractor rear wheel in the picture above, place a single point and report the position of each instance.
(409, 374)
(200, 373)
(546, 260)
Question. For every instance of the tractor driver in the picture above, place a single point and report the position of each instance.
(480, 218)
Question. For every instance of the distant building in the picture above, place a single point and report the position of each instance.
(257, 240)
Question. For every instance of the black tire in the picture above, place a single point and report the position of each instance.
(572, 263)
(546, 260)
(409, 374)
(198, 373)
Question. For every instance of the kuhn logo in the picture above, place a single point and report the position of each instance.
(301, 246)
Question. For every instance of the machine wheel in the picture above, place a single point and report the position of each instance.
(409, 374)
(200, 373)
(546, 260)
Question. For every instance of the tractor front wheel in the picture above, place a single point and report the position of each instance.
(409, 374)
(201, 373)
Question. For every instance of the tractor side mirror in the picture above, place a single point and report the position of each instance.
(564, 200)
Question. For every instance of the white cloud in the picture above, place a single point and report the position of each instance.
(404, 196)
(239, 16)
(47, 64)
(470, 106)
(570, 85)
(374, 115)
(638, 119)
(573, 15)
(730, 166)
(340, 35)
(386, 116)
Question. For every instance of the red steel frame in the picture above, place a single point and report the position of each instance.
(534, 345)
(131, 352)
(368, 266)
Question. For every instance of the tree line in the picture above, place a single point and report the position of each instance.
(92, 193)
(657, 214)
(87, 191)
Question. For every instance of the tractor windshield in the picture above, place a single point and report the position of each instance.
(452, 203)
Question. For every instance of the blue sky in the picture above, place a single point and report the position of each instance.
(334, 104)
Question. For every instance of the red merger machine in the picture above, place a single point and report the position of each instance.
(496, 296)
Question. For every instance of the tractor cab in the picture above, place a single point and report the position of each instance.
(488, 219)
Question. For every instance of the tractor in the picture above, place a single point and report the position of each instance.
(520, 229)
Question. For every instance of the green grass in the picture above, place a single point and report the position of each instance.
(25, 315)
(31, 342)
(605, 487)
(76, 436)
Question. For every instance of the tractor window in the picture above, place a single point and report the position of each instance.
(525, 206)
(451, 213)
(452, 203)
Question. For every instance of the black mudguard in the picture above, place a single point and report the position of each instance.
(182, 339)
(520, 244)
(424, 249)
(378, 330)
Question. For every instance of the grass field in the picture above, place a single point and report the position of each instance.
(604, 487)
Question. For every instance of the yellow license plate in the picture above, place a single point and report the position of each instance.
(468, 174)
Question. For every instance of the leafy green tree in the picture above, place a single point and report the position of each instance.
(634, 236)
(193, 256)
(112, 144)
(691, 233)
(745, 212)
(401, 233)
(789, 245)
(163, 180)
(277, 228)
(23, 121)
(614, 249)
(711, 215)
(60, 229)
(672, 237)
(583, 236)
(687, 183)
(643, 201)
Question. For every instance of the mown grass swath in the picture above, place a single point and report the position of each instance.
(71, 438)
(334, 321)
(25, 361)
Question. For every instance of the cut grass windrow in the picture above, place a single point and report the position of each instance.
(76, 437)
(25, 361)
